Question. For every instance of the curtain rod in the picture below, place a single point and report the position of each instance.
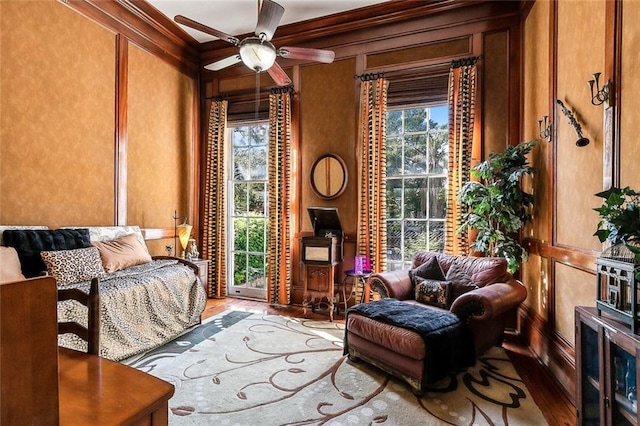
(456, 63)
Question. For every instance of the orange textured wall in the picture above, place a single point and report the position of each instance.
(328, 113)
(630, 99)
(160, 139)
(578, 170)
(56, 116)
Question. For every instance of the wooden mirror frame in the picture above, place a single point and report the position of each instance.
(329, 176)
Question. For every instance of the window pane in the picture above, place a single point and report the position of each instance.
(394, 156)
(241, 164)
(259, 136)
(436, 236)
(239, 234)
(415, 238)
(394, 240)
(394, 198)
(437, 198)
(239, 199)
(415, 120)
(257, 196)
(240, 137)
(258, 158)
(415, 198)
(257, 240)
(439, 115)
(256, 270)
(438, 152)
(394, 123)
(239, 268)
(415, 154)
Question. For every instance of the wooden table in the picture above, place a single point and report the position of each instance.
(96, 391)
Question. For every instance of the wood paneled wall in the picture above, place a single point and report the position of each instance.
(564, 43)
(99, 118)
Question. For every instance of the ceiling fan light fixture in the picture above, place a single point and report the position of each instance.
(256, 54)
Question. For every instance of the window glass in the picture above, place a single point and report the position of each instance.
(417, 163)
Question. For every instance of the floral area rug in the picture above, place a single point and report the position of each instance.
(241, 368)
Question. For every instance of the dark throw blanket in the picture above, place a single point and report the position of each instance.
(448, 341)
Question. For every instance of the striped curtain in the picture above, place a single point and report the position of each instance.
(279, 260)
(462, 95)
(215, 218)
(372, 170)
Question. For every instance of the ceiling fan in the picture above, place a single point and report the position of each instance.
(258, 53)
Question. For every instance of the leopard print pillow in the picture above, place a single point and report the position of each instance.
(433, 292)
(72, 266)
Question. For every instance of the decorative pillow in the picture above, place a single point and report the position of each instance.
(429, 269)
(433, 292)
(122, 253)
(72, 266)
(9, 265)
(460, 281)
(30, 242)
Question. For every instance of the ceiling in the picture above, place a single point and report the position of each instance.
(237, 17)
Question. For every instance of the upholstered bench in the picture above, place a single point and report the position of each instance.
(423, 345)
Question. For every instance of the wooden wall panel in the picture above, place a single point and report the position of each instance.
(572, 288)
(160, 141)
(434, 50)
(581, 31)
(534, 277)
(56, 121)
(495, 87)
(535, 106)
(630, 99)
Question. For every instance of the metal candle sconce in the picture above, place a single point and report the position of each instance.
(599, 96)
(545, 132)
(582, 141)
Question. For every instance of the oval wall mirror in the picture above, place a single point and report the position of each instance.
(329, 176)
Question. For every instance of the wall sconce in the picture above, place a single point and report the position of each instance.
(598, 95)
(181, 231)
(582, 141)
(545, 132)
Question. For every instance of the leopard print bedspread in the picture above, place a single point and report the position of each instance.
(141, 307)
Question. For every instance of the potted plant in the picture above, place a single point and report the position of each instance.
(496, 206)
(620, 219)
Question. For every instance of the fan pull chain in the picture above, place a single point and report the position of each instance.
(257, 94)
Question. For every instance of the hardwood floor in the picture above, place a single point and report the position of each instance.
(555, 406)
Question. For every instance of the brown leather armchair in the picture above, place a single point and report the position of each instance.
(485, 310)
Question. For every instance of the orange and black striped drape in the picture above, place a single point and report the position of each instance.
(280, 238)
(372, 170)
(462, 95)
(215, 218)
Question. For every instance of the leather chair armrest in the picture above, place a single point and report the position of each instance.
(395, 284)
(489, 301)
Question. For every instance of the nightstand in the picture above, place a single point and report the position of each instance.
(203, 267)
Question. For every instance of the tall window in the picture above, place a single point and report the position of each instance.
(417, 159)
(248, 220)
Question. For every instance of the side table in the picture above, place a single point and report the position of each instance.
(203, 267)
(357, 279)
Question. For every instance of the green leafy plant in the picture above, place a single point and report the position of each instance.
(496, 206)
(619, 216)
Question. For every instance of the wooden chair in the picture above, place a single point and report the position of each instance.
(91, 333)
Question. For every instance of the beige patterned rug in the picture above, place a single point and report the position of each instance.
(252, 369)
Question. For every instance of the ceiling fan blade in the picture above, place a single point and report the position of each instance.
(223, 63)
(318, 55)
(205, 29)
(278, 75)
(268, 19)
